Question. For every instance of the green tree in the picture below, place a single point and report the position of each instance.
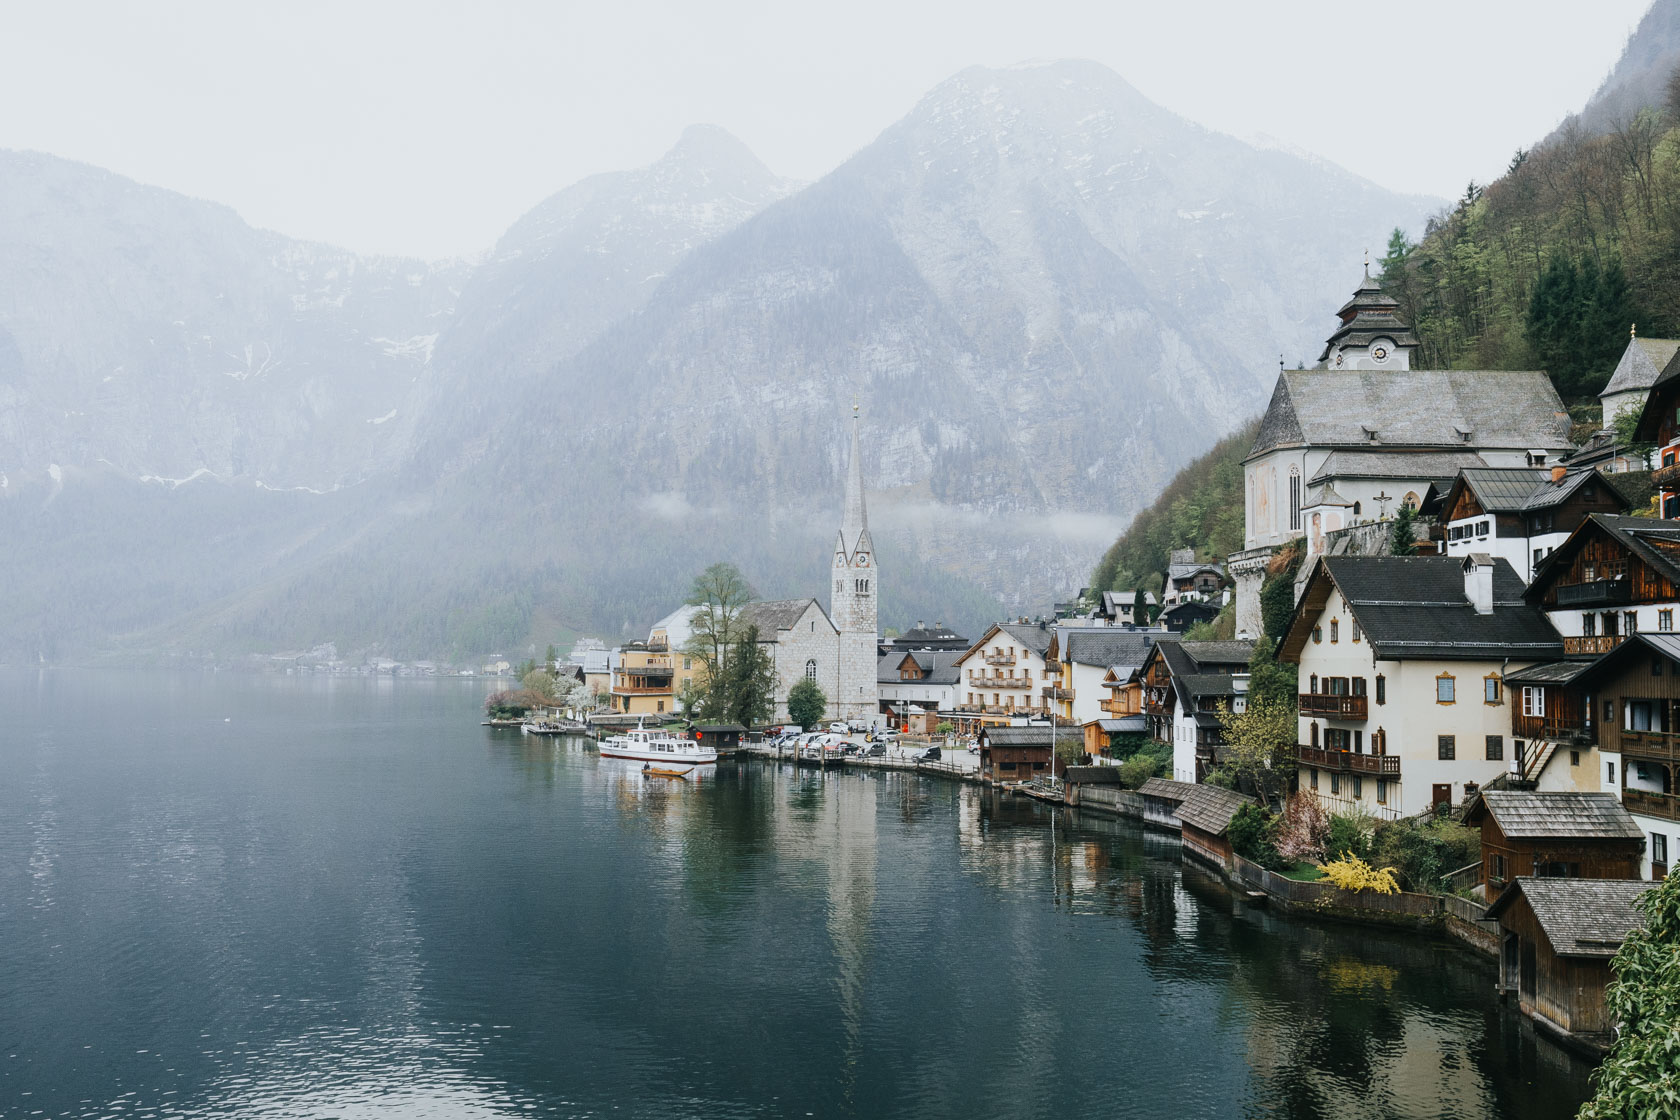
(1641, 1075)
(540, 682)
(806, 703)
(1270, 679)
(551, 659)
(1140, 608)
(1402, 538)
(1260, 747)
(749, 682)
(719, 592)
(1277, 591)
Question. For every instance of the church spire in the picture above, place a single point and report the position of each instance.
(856, 522)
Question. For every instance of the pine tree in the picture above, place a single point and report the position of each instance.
(1140, 608)
(1403, 537)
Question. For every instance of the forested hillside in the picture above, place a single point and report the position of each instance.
(1551, 265)
(1201, 508)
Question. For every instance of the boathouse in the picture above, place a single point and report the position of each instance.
(1015, 754)
(1205, 815)
(1161, 799)
(1556, 940)
(1554, 835)
(725, 738)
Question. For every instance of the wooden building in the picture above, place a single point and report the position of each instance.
(1554, 836)
(1204, 815)
(1017, 754)
(725, 738)
(1521, 513)
(1556, 940)
(1161, 799)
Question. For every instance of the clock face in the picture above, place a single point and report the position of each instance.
(863, 561)
(1380, 353)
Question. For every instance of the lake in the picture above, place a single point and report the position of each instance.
(272, 896)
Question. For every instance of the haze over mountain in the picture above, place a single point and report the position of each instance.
(1641, 76)
(1044, 292)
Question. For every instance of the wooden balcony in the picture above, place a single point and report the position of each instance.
(1116, 708)
(1594, 593)
(641, 690)
(1334, 707)
(1002, 682)
(1666, 478)
(1663, 805)
(1382, 765)
(1556, 729)
(1595, 643)
(1656, 746)
(1000, 659)
(1054, 692)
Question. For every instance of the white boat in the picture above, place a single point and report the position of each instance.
(657, 746)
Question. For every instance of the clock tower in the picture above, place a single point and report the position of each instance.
(852, 607)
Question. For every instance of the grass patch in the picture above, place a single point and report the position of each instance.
(1304, 873)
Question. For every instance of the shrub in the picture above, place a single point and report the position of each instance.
(1422, 854)
(1139, 769)
(1305, 825)
(1349, 834)
(1354, 874)
(1641, 1076)
(1253, 835)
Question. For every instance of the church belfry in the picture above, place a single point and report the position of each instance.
(1371, 334)
(853, 604)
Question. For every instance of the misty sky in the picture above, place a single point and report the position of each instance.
(426, 128)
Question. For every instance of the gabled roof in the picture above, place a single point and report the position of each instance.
(1655, 541)
(1639, 645)
(1210, 808)
(1234, 652)
(1643, 362)
(1166, 788)
(1023, 736)
(938, 666)
(936, 633)
(1580, 917)
(1442, 409)
(1415, 607)
(1532, 815)
(1191, 607)
(1548, 672)
(772, 615)
(1032, 636)
(1107, 647)
(1523, 489)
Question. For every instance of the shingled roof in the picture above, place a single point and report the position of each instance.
(1434, 409)
(772, 615)
(1413, 607)
(1395, 464)
(1107, 647)
(1533, 815)
(1211, 808)
(1166, 788)
(938, 666)
(1023, 736)
(1643, 362)
(1580, 917)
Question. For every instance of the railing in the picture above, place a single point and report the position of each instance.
(1336, 707)
(1116, 708)
(1384, 765)
(640, 690)
(1666, 477)
(1567, 728)
(1664, 805)
(1002, 682)
(1593, 592)
(1595, 643)
(1000, 659)
(1664, 745)
(1054, 692)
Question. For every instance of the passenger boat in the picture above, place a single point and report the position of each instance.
(657, 746)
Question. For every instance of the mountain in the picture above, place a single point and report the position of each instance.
(1044, 292)
(1640, 78)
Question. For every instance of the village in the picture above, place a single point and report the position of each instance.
(1451, 630)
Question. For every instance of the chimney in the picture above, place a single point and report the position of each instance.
(1558, 471)
(920, 625)
(1478, 581)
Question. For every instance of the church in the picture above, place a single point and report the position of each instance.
(837, 648)
(1351, 441)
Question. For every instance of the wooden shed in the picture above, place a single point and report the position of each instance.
(1016, 754)
(1554, 835)
(1556, 940)
(725, 738)
(1161, 799)
(1078, 777)
(1204, 816)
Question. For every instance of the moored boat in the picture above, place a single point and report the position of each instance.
(657, 746)
(653, 771)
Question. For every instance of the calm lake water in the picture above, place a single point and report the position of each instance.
(226, 896)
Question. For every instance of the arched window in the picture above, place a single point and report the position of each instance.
(1356, 509)
(811, 669)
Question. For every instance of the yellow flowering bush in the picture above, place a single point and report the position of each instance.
(1354, 874)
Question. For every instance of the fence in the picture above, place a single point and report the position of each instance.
(1327, 897)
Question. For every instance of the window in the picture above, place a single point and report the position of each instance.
(1589, 624)
(1358, 787)
(1490, 689)
(1318, 634)
(1574, 758)
(1609, 711)
(1495, 747)
(1006, 766)
(1659, 848)
(1533, 700)
(1382, 791)
(661, 707)
(1312, 777)
(1610, 773)
(1656, 666)
(1335, 782)
(1357, 633)
(1294, 499)
(1335, 629)
(811, 669)
(1312, 684)
(1382, 689)
(1630, 622)
(839, 587)
(1359, 686)
(1665, 620)
(1446, 748)
(1444, 689)
(1313, 734)
(688, 663)
(1496, 868)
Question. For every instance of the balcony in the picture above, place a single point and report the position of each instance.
(1666, 478)
(1000, 659)
(1002, 682)
(1593, 643)
(1055, 692)
(1664, 805)
(641, 690)
(1335, 707)
(1661, 746)
(1116, 708)
(1594, 593)
(1382, 765)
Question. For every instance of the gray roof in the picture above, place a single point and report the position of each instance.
(1531, 815)
(1107, 647)
(1211, 808)
(1551, 493)
(1235, 652)
(1642, 363)
(1580, 917)
(1124, 723)
(1166, 788)
(1446, 409)
(772, 615)
(938, 666)
(1413, 607)
(931, 634)
(1503, 489)
(1211, 684)
(1022, 736)
(1029, 634)
(1639, 645)
(1395, 464)
(1548, 672)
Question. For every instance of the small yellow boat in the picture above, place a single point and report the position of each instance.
(666, 771)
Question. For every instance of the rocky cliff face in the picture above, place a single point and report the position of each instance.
(1044, 292)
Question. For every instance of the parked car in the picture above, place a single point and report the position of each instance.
(875, 750)
(931, 755)
(839, 729)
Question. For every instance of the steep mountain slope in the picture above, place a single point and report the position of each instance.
(1640, 77)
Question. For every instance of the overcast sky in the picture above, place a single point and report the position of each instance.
(426, 128)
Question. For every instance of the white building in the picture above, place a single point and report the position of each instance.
(1403, 701)
(1521, 514)
(918, 680)
(1004, 673)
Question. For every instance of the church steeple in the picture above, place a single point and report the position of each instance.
(1370, 333)
(855, 592)
(854, 525)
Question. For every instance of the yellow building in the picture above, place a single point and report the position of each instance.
(641, 681)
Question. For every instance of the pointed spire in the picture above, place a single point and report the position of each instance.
(1633, 331)
(856, 521)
